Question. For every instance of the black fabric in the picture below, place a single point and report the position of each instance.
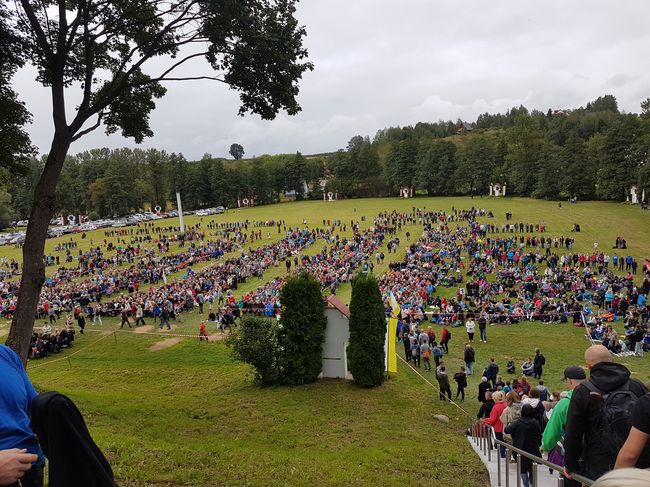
(74, 458)
(583, 434)
(641, 415)
(641, 421)
(485, 410)
(483, 387)
(526, 435)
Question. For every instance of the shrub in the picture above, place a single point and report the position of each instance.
(302, 330)
(255, 342)
(366, 353)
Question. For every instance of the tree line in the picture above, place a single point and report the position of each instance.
(106, 183)
(593, 152)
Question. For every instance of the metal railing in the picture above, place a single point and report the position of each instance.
(484, 437)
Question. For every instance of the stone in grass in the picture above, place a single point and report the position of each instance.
(441, 417)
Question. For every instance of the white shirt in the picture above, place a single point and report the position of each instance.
(470, 326)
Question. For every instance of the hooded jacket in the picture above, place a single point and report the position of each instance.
(526, 435)
(74, 458)
(583, 435)
(556, 423)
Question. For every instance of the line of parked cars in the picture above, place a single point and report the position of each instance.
(60, 226)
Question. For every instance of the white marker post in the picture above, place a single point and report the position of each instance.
(179, 206)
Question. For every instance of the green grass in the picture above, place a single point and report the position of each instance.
(188, 415)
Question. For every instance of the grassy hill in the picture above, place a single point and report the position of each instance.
(187, 415)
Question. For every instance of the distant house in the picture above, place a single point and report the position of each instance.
(337, 336)
(463, 128)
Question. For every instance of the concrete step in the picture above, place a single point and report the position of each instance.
(544, 477)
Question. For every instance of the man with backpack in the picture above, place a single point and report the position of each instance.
(599, 416)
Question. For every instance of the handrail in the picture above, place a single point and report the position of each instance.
(537, 460)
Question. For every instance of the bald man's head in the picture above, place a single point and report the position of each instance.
(597, 354)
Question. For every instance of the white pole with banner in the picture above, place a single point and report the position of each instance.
(179, 206)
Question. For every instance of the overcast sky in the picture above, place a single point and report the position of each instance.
(382, 63)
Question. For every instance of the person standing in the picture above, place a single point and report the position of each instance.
(486, 408)
(554, 431)
(406, 341)
(425, 351)
(81, 320)
(538, 364)
(164, 319)
(97, 314)
(139, 316)
(437, 354)
(526, 436)
(482, 327)
(16, 435)
(491, 372)
(415, 353)
(483, 387)
(461, 383)
(443, 382)
(470, 357)
(470, 326)
(445, 338)
(200, 298)
(597, 415)
(495, 418)
(125, 318)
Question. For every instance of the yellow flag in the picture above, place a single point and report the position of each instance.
(392, 353)
(395, 308)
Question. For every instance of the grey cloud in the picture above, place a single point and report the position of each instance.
(381, 63)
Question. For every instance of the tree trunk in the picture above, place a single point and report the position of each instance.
(33, 276)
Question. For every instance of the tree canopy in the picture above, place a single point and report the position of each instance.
(104, 48)
(236, 151)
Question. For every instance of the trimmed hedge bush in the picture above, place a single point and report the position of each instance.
(302, 330)
(367, 332)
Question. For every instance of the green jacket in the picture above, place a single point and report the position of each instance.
(555, 428)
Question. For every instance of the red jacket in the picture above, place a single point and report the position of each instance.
(495, 417)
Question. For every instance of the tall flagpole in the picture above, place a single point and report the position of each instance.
(179, 206)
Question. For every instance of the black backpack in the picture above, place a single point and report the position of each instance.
(616, 414)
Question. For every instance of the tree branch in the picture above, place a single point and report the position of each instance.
(189, 78)
(47, 22)
(100, 115)
(41, 39)
(182, 61)
(63, 28)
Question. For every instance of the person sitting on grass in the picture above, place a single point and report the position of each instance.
(528, 367)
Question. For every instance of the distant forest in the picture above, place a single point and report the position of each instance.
(592, 152)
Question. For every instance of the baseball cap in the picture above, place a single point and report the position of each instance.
(574, 372)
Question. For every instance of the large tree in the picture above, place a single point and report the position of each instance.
(236, 151)
(15, 147)
(104, 49)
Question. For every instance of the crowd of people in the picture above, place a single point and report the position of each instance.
(597, 424)
(499, 273)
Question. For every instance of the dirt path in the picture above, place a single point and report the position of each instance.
(167, 329)
(169, 342)
(217, 337)
(144, 329)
